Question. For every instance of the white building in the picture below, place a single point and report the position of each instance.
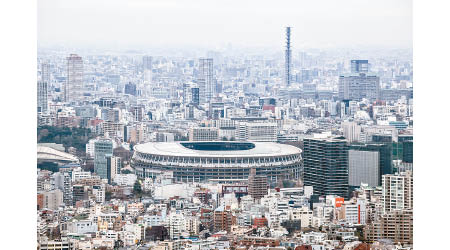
(125, 179)
(176, 224)
(363, 167)
(397, 191)
(257, 131)
(351, 131)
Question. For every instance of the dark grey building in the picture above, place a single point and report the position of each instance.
(359, 66)
(326, 166)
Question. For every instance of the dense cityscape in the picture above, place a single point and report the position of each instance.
(225, 149)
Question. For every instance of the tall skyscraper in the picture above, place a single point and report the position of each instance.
(147, 69)
(73, 86)
(206, 80)
(326, 166)
(45, 73)
(103, 150)
(287, 57)
(42, 90)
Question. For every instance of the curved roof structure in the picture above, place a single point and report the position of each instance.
(217, 149)
(49, 154)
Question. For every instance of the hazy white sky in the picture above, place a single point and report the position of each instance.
(214, 23)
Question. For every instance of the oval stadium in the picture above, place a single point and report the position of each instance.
(217, 160)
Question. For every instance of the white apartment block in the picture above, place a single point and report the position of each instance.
(397, 191)
(257, 131)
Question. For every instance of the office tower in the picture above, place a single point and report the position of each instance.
(363, 167)
(73, 86)
(326, 166)
(42, 90)
(397, 191)
(45, 73)
(195, 92)
(359, 66)
(408, 151)
(147, 69)
(384, 156)
(103, 150)
(257, 185)
(351, 131)
(287, 57)
(130, 89)
(206, 80)
(359, 84)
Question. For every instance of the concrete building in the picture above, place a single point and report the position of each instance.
(222, 219)
(73, 86)
(203, 134)
(205, 80)
(257, 131)
(396, 226)
(397, 191)
(326, 166)
(257, 185)
(42, 97)
(363, 167)
(359, 86)
(103, 150)
(351, 131)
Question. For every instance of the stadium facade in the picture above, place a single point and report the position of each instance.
(218, 160)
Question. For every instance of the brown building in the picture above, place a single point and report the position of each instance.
(223, 219)
(257, 185)
(396, 226)
(40, 201)
(258, 241)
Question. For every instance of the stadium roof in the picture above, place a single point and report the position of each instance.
(260, 149)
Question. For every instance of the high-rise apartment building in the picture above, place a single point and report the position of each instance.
(396, 226)
(257, 185)
(73, 86)
(114, 165)
(147, 69)
(223, 219)
(103, 150)
(206, 80)
(45, 73)
(42, 91)
(326, 166)
(397, 191)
